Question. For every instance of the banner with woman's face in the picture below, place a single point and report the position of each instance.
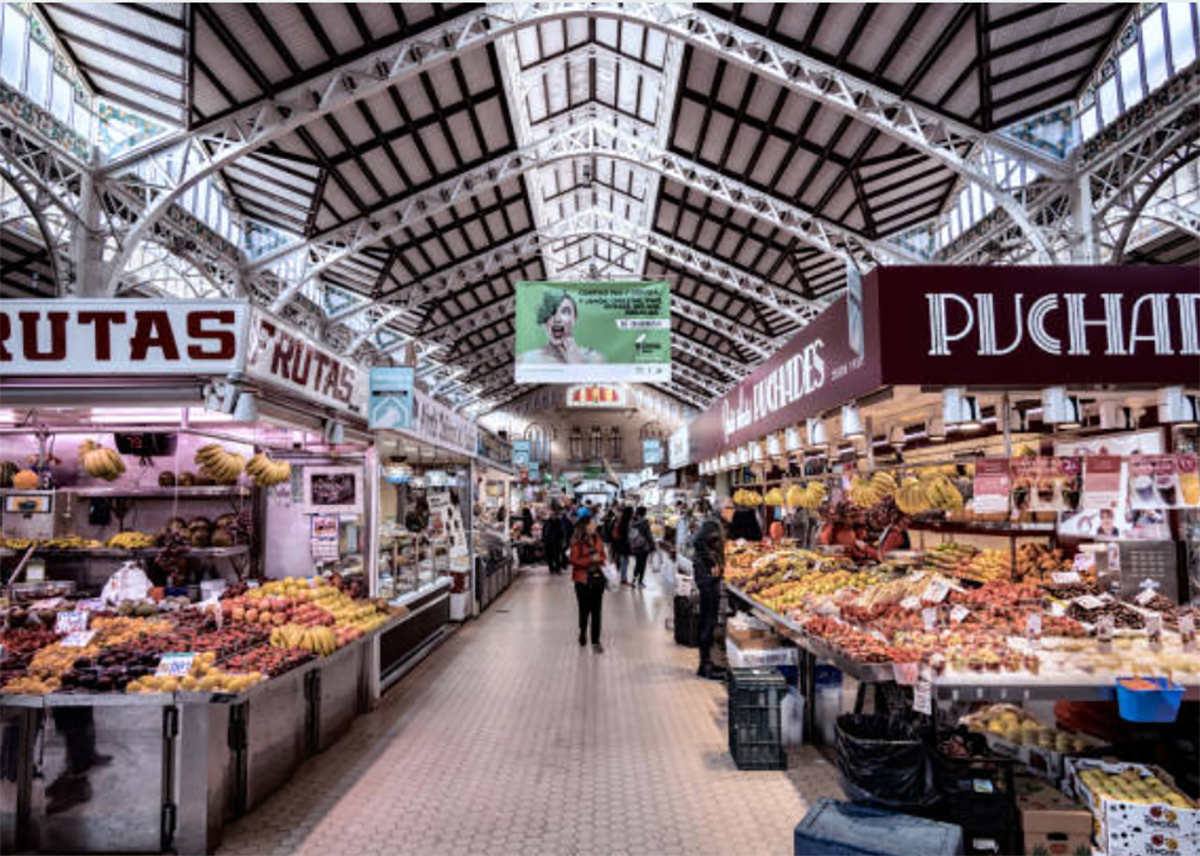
(568, 332)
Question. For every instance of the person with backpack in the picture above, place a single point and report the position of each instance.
(620, 542)
(587, 572)
(641, 545)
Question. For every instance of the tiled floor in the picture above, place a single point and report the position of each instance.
(512, 739)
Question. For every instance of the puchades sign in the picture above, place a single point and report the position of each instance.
(1040, 325)
(572, 332)
(72, 337)
(997, 327)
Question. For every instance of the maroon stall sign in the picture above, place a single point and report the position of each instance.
(999, 326)
(830, 361)
(73, 337)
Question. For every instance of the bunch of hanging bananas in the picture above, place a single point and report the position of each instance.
(266, 472)
(220, 464)
(812, 495)
(933, 490)
(320, 640)
(100, 462)
(911, 497)
(747, 497)
(943, 494)
(863, 493)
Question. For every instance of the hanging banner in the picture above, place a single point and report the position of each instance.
(677, 449)
(437, 424)
(1102, 482)
(522, 452)
(567, 332)
(1045, 484)
(1118, 521)
(391, 397)
(598, 396)
(76, 337)
(992, 485)
(286, 357)
(652, 453)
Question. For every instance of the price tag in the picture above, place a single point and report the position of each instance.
(1144, 597)
(78, 639)
(1089, 602)
(905, 674)
(1114, 557)
(1104, 628)
(48, 603)
(1057, 608)
(982, 786)
(937, 591)
(929, 616)
(1084, 562)
(923, 694)
(959, 613)
(1033, 625)
(910, 603)
(1154, 626)
(1065, 578)
(252, 584)
(92, 604)
(875, 634)
(71, 622)
(1187, 629)
(174, 666)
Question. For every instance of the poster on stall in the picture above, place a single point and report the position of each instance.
(568, 332)
(1163, 481)
(324, 537)
(993, 484)
(1045, 484)
(391, 400)
(1121, 522)
(1102, 482)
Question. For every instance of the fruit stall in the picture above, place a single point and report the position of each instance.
(968, 529)
(189, 570)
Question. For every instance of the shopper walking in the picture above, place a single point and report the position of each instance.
(620, 543)
(708, 568)
(587, 562)
(555, 533)
(641, 545)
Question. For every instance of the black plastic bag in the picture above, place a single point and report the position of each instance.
(883, 761)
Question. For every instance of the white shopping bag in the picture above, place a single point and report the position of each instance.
(611, 575)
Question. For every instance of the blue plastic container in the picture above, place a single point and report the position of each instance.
(833, 828)
(1157, 705)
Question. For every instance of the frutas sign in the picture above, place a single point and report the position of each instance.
(284, 356)
(74, 337)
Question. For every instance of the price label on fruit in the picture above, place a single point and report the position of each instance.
(1104, 628)
(911, 603)
(1033, 625)
(174, 666)
(937, 591)
(1089, 602)
(71, 622)
(1187, 629)
(959, 613)
(78, 639)
(1145, 596)
(92, 604)
(923, 694)
(929, 616)
(1154, 626)
(1064, 578)
(905, 674)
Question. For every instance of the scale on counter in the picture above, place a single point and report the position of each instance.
(29, 515)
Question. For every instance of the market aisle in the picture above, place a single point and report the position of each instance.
(513, 739)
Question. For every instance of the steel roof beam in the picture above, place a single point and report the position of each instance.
(168, 167)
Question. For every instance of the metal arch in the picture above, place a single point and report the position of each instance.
(35, 213)
(169, 167)
(1146, 194)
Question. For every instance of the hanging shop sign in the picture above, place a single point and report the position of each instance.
(597, 396)
(522, 452)
(283, 355)
(436, 423)
(391, 397)
(652, 453)
(677, 449)
(567, 332)
(1038, 325)
(492, 448)
(816, 369)
(1163, 481)
(90, 337)
(970, 326)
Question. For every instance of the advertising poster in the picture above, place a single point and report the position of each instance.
(1045, 484)
(568, 332)
(992, 485)
(1121, 522)
(1102, 482)
(391, 397)
(522, 452)
(1163, 481)
(652, 453)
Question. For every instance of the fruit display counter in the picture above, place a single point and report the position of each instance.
(183, 718)
(982, 640)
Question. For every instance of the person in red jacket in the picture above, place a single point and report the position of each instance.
(587, 559)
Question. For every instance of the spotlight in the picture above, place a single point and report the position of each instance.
(851, 422)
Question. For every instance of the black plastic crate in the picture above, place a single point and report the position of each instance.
(755, 730)
(687, 622)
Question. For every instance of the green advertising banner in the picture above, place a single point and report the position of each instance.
(593, 331)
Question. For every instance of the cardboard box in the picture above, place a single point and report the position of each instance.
(1050, 821)
(1135, 829)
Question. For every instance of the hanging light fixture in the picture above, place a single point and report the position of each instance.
(851, 422)
(818, 437)
(935, 429)
(895, 437)
(960, 410)
(246, 408)
(1177, 407)
(1061, 409)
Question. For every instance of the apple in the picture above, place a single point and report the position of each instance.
(238, 614)
(252, 615)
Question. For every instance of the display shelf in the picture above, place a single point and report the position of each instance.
(190, 492)
(966, 527)
(118, 553)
